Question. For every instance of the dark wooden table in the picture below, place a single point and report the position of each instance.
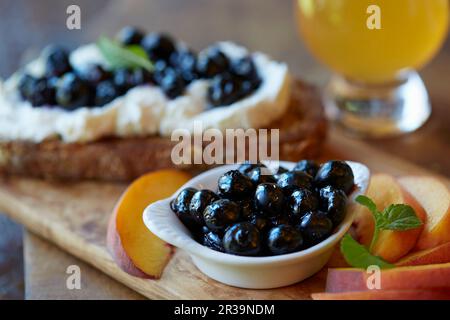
(27, 26)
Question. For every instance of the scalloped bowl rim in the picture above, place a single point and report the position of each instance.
(158, 215)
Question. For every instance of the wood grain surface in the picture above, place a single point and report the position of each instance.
(46, 275)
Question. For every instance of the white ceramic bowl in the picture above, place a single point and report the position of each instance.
(248, 272)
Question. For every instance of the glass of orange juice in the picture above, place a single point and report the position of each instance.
(374, 48)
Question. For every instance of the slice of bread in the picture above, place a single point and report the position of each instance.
(302, 131)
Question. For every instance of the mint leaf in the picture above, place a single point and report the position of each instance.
(367, 202)
(358, 256)
(118, 56)
(377, 216)
(380, 219)
(399, 217)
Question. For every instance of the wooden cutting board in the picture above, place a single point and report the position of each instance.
(74, 217)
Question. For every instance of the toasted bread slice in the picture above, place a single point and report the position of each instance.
(302, 131)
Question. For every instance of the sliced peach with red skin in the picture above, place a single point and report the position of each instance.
(391, 245)
(434, 197)
(402, 278)
(385, 295)
(134, 248)
(439, 254)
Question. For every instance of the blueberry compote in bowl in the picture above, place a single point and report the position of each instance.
(246, 226)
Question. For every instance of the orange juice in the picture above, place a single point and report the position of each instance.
(336, 31)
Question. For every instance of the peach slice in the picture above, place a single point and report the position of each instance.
(134, 248)
(439, 254)
(434, 197)
(391, 245)
(435, 276)
(385, 295)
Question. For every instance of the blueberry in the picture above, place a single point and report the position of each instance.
(184, 62)
(158, 46)
(200, 200)
(302, 201)
(141, 77)
(172, 84)
(211, 62)
(260, 175)
(56, 61)
(221, 214)
(280, 219)
(247, 166)
(234, 185)
(180, 205)
(334, 203)
(245, 68)
(315, 227)
(263, 224)
(223, 90)
(72, 92)
(123, 80)
(337, 174)
(269, 199)
(247, 87)
(94, 74)
(159, 70)
(279, 172)
(308, 166)
(293, 180)
(38, 91)
(130, 36)
(284, 239)
(25, 85)
(43, 92)
(213, 241)
(105, 92)
(242, 239)
(247, 208)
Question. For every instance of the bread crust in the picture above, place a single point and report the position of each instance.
(302, 131)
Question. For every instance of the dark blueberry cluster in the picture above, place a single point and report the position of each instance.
(174, 68)
(69, 88)
(257, 213)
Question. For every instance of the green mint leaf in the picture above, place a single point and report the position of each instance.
(377, 216)
(358, 256)
(380, 219)
(118, 56)
(367, 202)
(400, 217)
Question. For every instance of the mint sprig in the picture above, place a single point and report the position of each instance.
(400, 217)
(118, 56)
